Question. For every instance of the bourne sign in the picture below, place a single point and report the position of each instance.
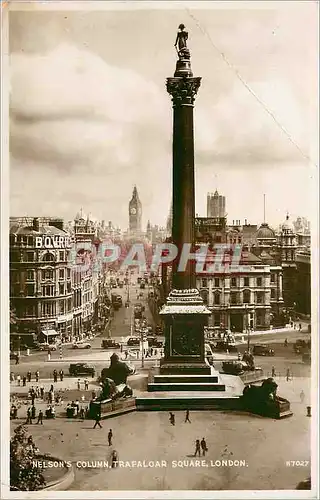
(53, 242)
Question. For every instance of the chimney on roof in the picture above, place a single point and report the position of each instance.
(35, 224)
(245, 222)
(233, 222)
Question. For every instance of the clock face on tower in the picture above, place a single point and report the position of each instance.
(133, 211)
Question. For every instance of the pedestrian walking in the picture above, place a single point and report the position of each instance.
(86, 384)
(24, 381)
(42, 391)
(29, 376)
(114, 459)
(286, 343)
(18, 379)
(37, 392)
(288, 375)
(61, 375)
(40, 417)
(273, 372)
(17, 359)
(300, 327)
(78, 384)
(81, 413)
(33, 412)
(11, 377)
(37, 374)
(172, 419)
(203, 446)
(239, 356)
(55, 376)
(29, 417)
(198, 448)
(126, 354)
(110, 435)
(302, 396)
(187, 419)
(97, 420)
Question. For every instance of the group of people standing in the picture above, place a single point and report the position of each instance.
(25, 378)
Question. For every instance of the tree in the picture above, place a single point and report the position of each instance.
(24, 476)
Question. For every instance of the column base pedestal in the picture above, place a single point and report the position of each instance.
(169, 367)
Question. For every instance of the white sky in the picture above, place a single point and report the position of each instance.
(90, 116)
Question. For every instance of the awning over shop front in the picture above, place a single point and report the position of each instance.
(48, 333)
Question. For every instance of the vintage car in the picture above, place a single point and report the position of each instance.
(76, 369)
(133, 341)
(235, 367)
(301, 345)
(262, 350)
(154, 342)
(81, 345)
(46, 347)
(110, 344)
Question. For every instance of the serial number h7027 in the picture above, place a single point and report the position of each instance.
(297, 463)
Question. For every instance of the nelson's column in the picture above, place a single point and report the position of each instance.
(184, 313)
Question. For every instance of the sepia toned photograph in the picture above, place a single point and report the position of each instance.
(160, 251)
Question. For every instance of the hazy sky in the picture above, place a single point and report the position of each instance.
(90, 116)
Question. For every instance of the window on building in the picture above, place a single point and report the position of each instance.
(273, 278)
(48, 290)
(30, 310)
(62, 307)
(216, 282)
(69, 302)
(30, 241)
(246, 297)
(30, 275)
(30, 290)
(233, 298)
(217, 320)
(61, 288)
(260, 298)
(246, 281)
(217, 298)
(273, 293)
(48, 309)
(259, 281)
(68, 272)
(61, 255)
(30, 257)
(48, 257)
(69, 287)
(204, 295)
(204, 282)
(61, 274)
(233, 282)
(47, 274)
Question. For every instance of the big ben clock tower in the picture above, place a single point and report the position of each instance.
(135, 212)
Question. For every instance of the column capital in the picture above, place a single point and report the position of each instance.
(183, 89)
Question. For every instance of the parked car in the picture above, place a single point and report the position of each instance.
(47, 347)
(133, 341)
(233, 367)
(76, 369)
(110, 344)
(81, 345)
(262, 350)
(154, 342)
(301, 345)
